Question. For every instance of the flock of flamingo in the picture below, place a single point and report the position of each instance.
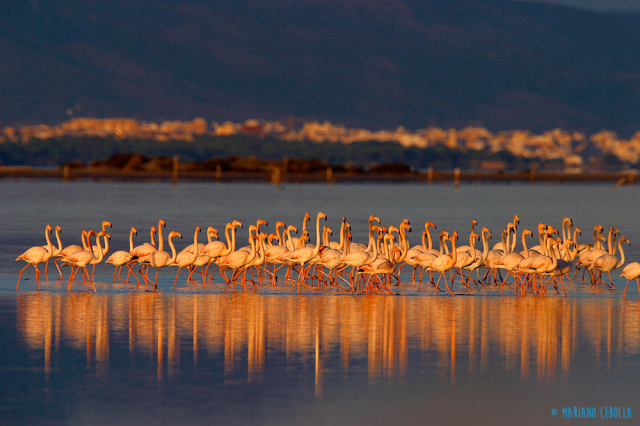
(374, 266)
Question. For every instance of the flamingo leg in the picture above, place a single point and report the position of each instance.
(176, 280)
(21, 274)
(131, 272)
(57, 266)
(435, 293)
(627, 286)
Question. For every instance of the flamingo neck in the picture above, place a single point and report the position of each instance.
(622, 259)
(610, 242)
(160, 239)
(84, 237)
(49, 245)
(316, 249)
(278, 233)
(196, 247)
(131, 241)
(106, 244)
(59, 249)
(524, 244)
(174, 254)
(454, 252)
(485, 246)
(153, 239)
(232, 248)
(226, 234)
(429, 239)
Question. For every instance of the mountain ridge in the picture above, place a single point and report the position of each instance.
(375, 64)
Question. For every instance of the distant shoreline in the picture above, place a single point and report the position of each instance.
(446, 177)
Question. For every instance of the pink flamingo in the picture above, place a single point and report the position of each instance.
(36, 255)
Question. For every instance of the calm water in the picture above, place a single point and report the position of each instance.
(203, 356)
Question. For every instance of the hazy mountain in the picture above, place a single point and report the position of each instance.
(369, 63)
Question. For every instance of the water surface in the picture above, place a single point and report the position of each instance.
(189, 355)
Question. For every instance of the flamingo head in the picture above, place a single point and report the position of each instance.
(162, 223)
(134, 230)
(329, 230)
(322, 215)
(237, 223)
(292, 228)
(261, 222)
(578, 231)
(307, 216)
(48, 228)
(105, 224)
(58, 228)
(279, 224)
(625, 239)
(198, 229)
(527, 232)
(175, 234)
(393, 229)
(428, 224)
(454, 236)
(153, 229)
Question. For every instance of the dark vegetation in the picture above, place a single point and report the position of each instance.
(208, 152)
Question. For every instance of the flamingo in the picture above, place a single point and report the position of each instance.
(160, 258)
(56, 252)
(238, 259)
(510, 261)
(36, 255)
(305, 254)
(123, 257)
(414, 252)
(608, 262)
(445, 262)
(357, 259)
(330, 258)
(481, 257)
(81, 259)
(71, 249)
(95, 248)
(211, 234)
(631, 272)
(384, 264)
(144, 250)
(185, 259)
(294, 243)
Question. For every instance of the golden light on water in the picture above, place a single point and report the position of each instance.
(533, 338)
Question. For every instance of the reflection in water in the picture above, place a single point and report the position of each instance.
(535, 338)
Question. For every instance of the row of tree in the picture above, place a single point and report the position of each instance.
(56, 152)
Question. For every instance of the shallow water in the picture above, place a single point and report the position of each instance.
(190, 355)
